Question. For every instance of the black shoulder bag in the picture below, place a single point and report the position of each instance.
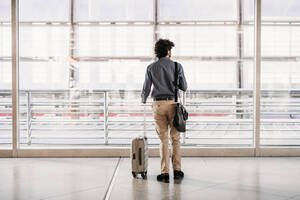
(180, 114)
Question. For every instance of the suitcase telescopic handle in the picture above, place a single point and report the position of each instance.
(144, 120)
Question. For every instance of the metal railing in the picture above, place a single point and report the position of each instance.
(115, 116)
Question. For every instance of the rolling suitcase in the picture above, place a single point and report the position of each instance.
(139, 154)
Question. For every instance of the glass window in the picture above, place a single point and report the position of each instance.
(277, 41)
(248, 42)
(45, 63)
(44, 75)
(219, 101)
(280, 74)
(280, 41)
(201, 40)
(41, 10)
(194, 10)
(210, 74)
(277, 74)
(248, 10)
(247, 74)
(5, 76)
(114, 10)
(44, 41)
(5, 40)
(68, 71)
(5, 11)
(112, 74)
(275, 10)
(114, 41)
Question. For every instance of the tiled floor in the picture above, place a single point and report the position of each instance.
(55, 178)
(97, 178)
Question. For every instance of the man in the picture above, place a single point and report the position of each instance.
(161, 75)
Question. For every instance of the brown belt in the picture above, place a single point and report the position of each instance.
(163, 98)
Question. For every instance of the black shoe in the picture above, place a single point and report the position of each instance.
(163, 177)
(178, 174)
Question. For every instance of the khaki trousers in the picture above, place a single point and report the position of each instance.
(163, 117)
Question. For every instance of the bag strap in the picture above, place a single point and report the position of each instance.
(176, 81)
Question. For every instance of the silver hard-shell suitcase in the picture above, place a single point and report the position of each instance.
(139, 154)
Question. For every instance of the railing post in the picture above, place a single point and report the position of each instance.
(28, 117)
(235, 110)
(105, 117)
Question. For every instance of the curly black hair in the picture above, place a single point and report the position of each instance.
(162, 46)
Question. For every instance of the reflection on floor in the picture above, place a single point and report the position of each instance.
(110, 178)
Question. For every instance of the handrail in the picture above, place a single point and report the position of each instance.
(40, 110)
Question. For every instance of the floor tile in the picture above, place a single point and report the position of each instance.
(46, 177)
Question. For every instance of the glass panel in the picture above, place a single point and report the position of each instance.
(44, 41)
(220, 113)
(67, 87)
(281, 41)
(5, 11)
(220, 118)
(219, 76)
(113, 74)
(275, 10)
(210, 74)
(114, 10)
(280, 74)
(126, 117)
(39, 75)
(42, 11)
(277, 41)
(201, 40)
(247, 74)
(122, 81)
(5, 104)
(5, 38)
(112, 41)
(56, 113)
(275, 75)
(5, 76)
(248, 41)
(193, 10)
(80, 84)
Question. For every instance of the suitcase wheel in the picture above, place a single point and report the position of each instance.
(144, 175)
(134, 174)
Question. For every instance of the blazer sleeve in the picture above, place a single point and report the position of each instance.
(147, 85)
(182, 80)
